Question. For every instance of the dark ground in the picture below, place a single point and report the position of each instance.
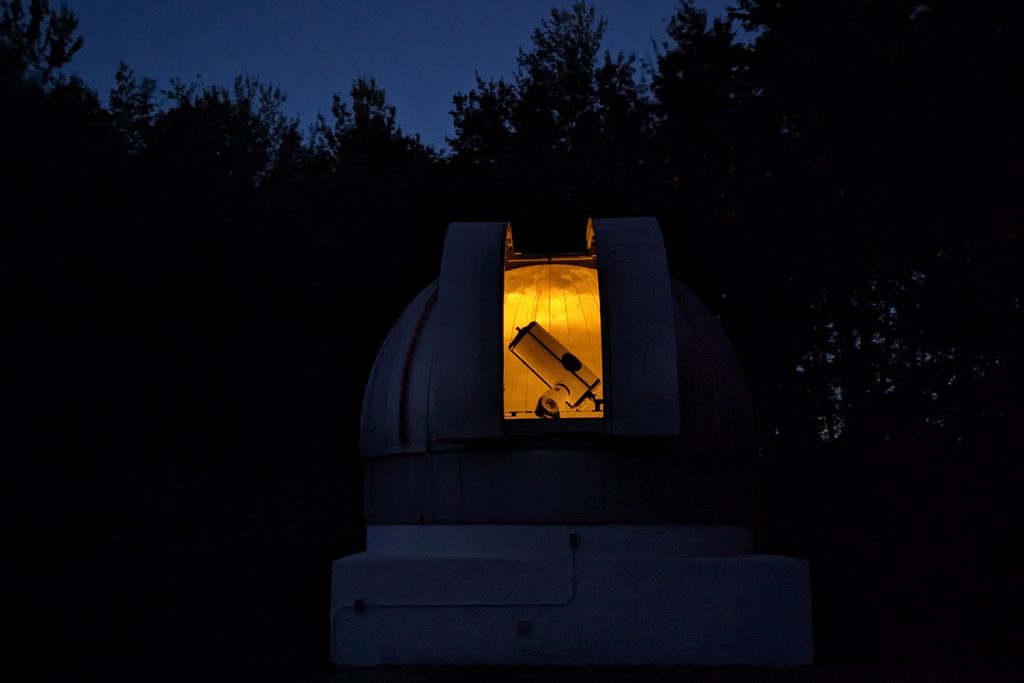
(667, 674)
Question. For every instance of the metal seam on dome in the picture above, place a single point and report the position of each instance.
(519, 304)
(600, 334)
(574, 278)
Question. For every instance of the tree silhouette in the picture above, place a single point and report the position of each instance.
(34, 45)
(364, 136)
(132, 108)
(237, 136)
(573, 121)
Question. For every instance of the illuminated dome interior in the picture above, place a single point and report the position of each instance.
(563, 299)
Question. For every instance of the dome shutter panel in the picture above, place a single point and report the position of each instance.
(641, 382)
(465, 382)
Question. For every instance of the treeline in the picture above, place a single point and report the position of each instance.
(837, 180)
(839, 187)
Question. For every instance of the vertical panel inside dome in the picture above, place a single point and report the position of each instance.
(552, 335)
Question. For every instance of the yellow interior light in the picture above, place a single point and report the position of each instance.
(553, 367)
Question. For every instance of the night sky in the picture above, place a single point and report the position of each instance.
(421, 51)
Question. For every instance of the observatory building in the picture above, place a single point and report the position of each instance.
(557, 452)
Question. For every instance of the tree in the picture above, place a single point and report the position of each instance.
(483, 122)
(132, 108)
(363, 134)
(700, 90)
(35, 45)
(238, 137)
(855, 194)
(556, 82)
(561, 141)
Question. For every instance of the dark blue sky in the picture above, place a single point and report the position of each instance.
(421, 51)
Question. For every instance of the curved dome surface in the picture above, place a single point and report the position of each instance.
(715, 413)
(669, 429)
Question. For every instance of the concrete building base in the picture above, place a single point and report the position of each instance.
(568, 595)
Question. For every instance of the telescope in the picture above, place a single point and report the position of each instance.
(569, 381)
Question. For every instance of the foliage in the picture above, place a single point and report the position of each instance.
(364, 134)
(239, 135)
(34, 45)
(575, 121)
(132, 107)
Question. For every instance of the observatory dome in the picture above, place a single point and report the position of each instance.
(556, 457)
(655, 423)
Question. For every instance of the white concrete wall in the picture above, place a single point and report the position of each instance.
(480, 594)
